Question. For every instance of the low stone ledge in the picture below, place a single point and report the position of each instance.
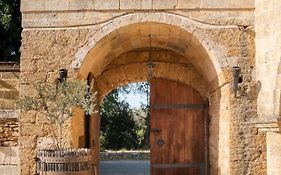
(8, 114)
(269, 126)
(125, 155)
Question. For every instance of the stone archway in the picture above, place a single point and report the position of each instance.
(57, 35)
(109, 60)
(174, 28)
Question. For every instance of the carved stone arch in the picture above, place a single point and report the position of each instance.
(214, 55)
(177, 34)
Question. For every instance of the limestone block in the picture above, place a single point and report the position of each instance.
(273, 152)
(8, 114)
(214, 4)
(75, 16)
(274, 140)
(7, 104)
(32, 5)
(10, 75)
(146, 4)
(46, 143)
(31, 129)
(9, 170)
(81, 5)
(9, 94)
(14, 156)
(164, 4)
(187, 4)
(5, 157)
(224, 129)
(241, 3)
(27, 141)
(54, 5)
(130, 4)
(106, 5)
(9, 155)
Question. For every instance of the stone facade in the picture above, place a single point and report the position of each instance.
(9, 123)
(268, 56)
(268, 36)
(9, 132)
(194, 42)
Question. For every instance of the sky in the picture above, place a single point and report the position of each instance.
(134, 100)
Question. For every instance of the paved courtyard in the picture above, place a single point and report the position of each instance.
(125, 167)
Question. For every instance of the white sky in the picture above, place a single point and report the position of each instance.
(135, 100)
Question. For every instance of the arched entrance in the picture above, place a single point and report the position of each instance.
(121, 57)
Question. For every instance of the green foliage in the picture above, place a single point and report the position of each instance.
(121, 126)
(137, 88)
(143, 122)
(118, 128)
(10, 30)
(57, 101)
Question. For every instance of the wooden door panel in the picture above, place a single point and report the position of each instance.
(177, 129)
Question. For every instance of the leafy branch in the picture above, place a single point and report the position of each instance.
(57, 101)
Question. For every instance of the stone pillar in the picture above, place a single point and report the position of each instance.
(273, 149)
(273, 146)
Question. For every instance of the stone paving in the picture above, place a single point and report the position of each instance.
(125, 167)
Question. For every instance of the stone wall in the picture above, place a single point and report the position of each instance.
(268, 57)
(9, 132)
(273, 153)
(9, 160)
(9, 123)
(74, 13)
(92, 35)
(268, 39)
(9, 85)
(41, 58)
(125, 155)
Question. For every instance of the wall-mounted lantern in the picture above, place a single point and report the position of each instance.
(236, 76)
(62, 75)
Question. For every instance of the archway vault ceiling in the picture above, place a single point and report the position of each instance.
(136, 37)
(146, 55)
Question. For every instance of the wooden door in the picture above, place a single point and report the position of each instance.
(178, 129)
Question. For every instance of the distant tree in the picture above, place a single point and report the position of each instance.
(142, 117)
(10, 30)
(118, 128)
(142, 88)
(137, 88)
